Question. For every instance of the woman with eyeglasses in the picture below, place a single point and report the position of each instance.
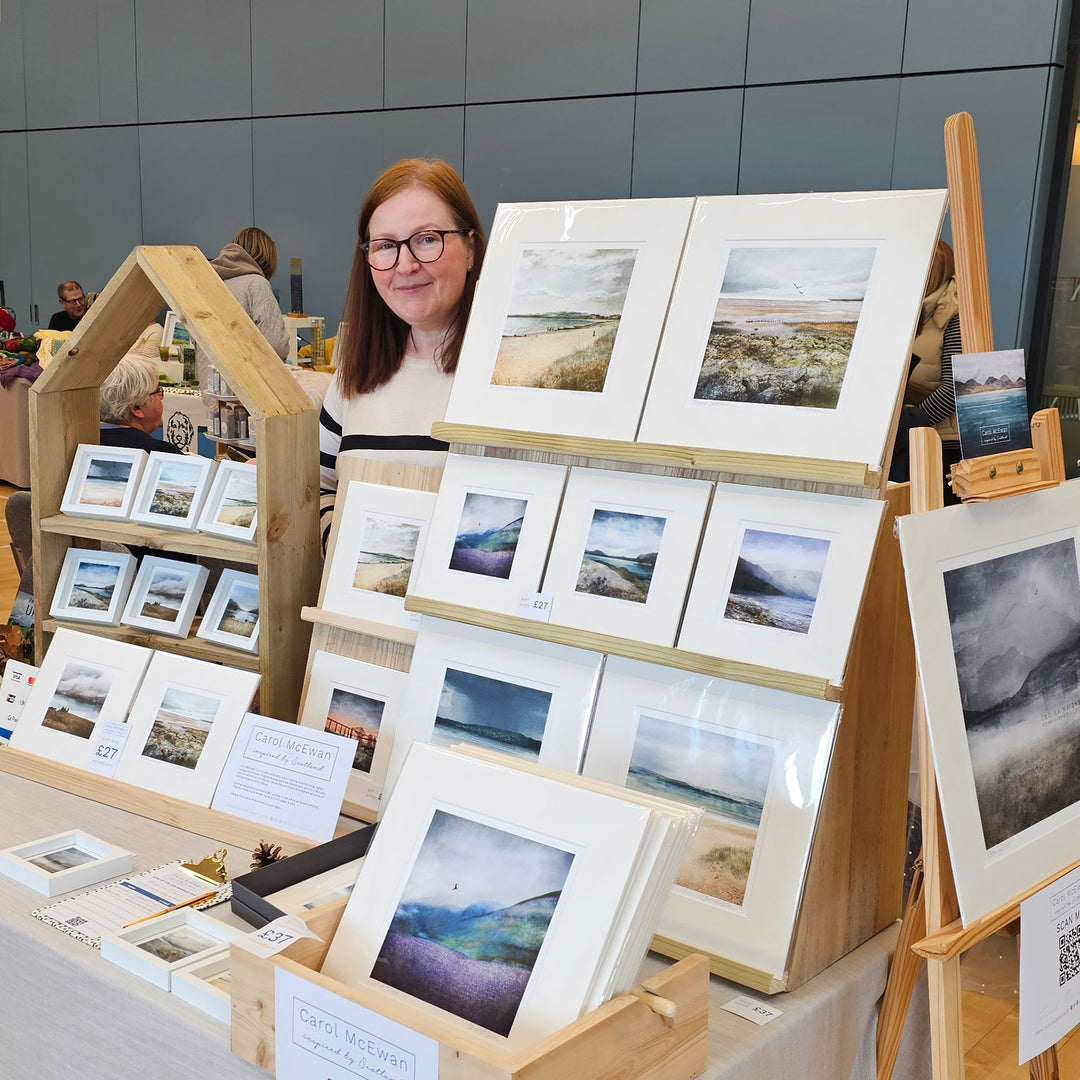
(131, 406)
(419, 248)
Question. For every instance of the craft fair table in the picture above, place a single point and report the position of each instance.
(69, 1013)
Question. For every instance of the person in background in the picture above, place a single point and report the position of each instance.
(75, 304)
(131, 405)
(418, 254)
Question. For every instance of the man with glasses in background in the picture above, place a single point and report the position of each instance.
(74, 300)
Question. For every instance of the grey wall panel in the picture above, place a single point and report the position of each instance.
(332, 60)
(947, 36)
(15, 227)
(1007, 107)
(94, 83)
(560, 48)
(182, 204)
(792, 40)
(88, 237)
(690, 43)
(818, 137)
(425, 52)
(423, 133)
(12, 85)
(687, 144)
(548, 151)
(194, 60)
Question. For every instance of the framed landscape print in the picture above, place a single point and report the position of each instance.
(172, 490)
(93, 586)
(379, 542)
(503, 882)
(780, 578)
(103, 481)
(183, 723)
(994, 591)
(624, 549)
(521, 696)
(755, 760)
(360, 701)
(231, 507)
(490, 532)
(64, 862)
(567, 315)
(232, 616)
(83, 680)
(791, 322)
(165, 595)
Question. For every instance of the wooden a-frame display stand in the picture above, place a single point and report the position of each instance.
(932, 927)
(64, 413)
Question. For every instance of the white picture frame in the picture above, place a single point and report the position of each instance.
(157, 948)
(770, 254)
(365, 700)
(649, 527)
(103, 481)
(490, 532)
(93, 586)
(174, 332)
(172, 490)
(206, 984)
(231, 506)
(380, 541)
(182, 725)
(64, 862)
(228, 617)
(165, 596)
(84, 681)
(613, 258)
(521, 696)
(453, 808)
(313, 892)
(993, 590)
(780, 744)
(781, 578)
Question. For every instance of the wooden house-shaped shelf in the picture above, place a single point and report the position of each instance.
(64, 413)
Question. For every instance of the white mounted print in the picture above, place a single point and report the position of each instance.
(567, 316)
(93, 586)
(164, 596)
(172, 490)
(232, 616)
(231, 507)
(791, 321)
(103, 481)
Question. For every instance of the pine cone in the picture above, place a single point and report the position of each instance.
(265, 854)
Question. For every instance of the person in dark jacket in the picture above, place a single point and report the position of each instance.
(75, 304)
(131, 406)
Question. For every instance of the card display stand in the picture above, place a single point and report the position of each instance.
(657, 1033)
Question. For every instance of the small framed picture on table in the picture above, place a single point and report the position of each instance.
(64, 862)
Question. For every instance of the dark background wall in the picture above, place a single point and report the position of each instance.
(149, 121)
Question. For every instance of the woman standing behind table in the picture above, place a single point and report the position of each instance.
(413, 276)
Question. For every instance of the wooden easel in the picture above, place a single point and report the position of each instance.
(995, 476)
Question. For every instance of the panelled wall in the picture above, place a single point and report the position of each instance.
(150, 121)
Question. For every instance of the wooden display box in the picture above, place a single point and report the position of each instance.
(624, 1039)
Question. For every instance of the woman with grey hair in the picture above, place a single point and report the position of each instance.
(131, 406)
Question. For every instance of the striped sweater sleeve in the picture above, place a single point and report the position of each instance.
(330, 420)
(941, 404)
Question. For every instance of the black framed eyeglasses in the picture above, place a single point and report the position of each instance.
(425, 246)
(73, 300)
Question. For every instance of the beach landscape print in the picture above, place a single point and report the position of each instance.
(494, 713)
(65, 858)
(79, 698)
(487, 534)
(385, 554)
(175, 489)
(563, 317)
(724, 774)
(784, 325)
(472, 918)
(238, 500)
(777, 579)
(181, 726)
(1014, 621)
(165, 594)
(178, 944)
(106, 482)
(93, 585)
(620, 555)
(356, 716)
(991, 402)
(241, 612)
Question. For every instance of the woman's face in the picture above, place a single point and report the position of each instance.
(424, 295)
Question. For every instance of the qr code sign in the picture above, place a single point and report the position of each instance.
(1069, 955)
(75, 920)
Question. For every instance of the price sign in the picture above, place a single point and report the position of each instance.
(535, 605)
(749, 1009)
(105, 747)
(277, 935)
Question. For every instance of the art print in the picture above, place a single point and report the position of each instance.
(63, 862)
(231, 506)
(620, 554)
(181, 725)
(472, 918)
(1015, 627)
(488, 533)
(175, 488)
(784, 325)
(178, 944)
(165, 593)
(241, 609)
(106, 483)
(65, 858)
(563, 317)
(238, 501)
(385, 554)
(991, 402)
(79, 697)
(93, 585)
(232, 616)
(102, 481)
(356, 716)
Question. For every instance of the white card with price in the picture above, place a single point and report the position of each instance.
(750, 1009)
(277, 935)
(105, 746)
(536, 606)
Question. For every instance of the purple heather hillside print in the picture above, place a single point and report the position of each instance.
(487, 534)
